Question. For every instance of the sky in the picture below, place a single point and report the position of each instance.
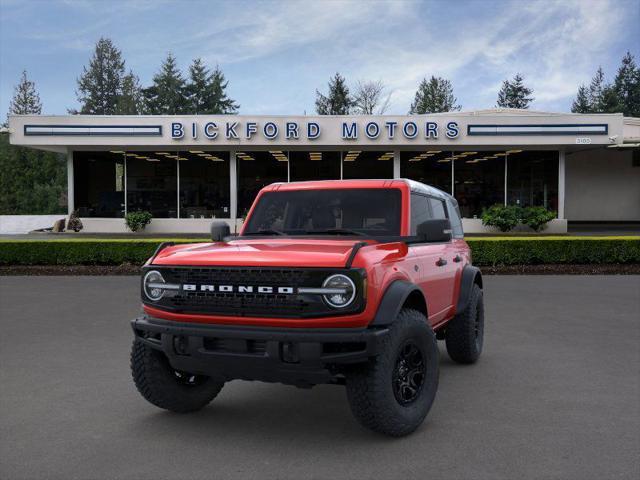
(275, 54)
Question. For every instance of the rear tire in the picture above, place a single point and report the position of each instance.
(393, 393)
(465, 333)
(167, 388)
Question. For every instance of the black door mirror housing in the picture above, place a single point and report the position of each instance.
(219, 230)
(436, 230)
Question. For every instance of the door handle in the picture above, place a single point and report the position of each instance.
(457, 259)
(441, 262)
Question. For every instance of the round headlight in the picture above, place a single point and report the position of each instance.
(344, 291)
(152, 285)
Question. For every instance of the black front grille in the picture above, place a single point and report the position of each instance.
(251, 304)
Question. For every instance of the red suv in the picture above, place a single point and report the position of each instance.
(344, 282)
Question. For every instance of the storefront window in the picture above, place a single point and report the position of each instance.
(99, 184)
(257, 170)
(363, 164)
(314, 166)
(431, 167)
(479, 180)
(204, 184)
(532, 178)
(152, 183)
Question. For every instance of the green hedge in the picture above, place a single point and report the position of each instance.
(486, 250)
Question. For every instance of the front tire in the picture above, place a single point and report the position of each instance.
(393, 393)
(167, 388)
(465, 333)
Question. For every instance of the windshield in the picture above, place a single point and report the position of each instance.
(357, 211)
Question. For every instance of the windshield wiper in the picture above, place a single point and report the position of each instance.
(266, 232)
(336, 231)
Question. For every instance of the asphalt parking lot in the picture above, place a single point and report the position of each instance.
(556, 394)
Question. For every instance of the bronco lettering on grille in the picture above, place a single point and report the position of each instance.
(192, 287)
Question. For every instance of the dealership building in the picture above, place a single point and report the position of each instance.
(187, 170)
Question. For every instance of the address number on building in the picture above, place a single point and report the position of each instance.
(583, 141)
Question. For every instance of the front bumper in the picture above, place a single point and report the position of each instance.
(295, 356)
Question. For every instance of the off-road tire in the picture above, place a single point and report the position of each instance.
(465, 333)
(162, 386)
(371, 388)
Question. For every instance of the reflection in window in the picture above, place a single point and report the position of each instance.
(479, 181)
(532, 179)
(431, 167)
(420, 211)
(363, 164)
(204, 184)
(257, 170)
(316, 165)
(99, 184)
(152, 183)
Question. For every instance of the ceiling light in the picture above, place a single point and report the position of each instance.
(514, 151)
(152, 160)
(444, 160)
(141, 157)
(162, 153)
(196, 151)
(116, 151)
(434, 151)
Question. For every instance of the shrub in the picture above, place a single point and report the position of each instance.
(503, 217)
(137, 220)
(74, 223)
(537, 217)
(486, 251)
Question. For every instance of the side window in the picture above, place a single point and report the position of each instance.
(437, 206)
(420, 211)
(454, 218)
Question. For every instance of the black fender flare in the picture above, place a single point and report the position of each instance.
(393, 300)
(470, 276)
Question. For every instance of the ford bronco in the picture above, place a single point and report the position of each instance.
(342, 282)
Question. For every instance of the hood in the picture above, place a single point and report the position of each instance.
(260, 252)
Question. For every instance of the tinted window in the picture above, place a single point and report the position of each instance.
(420, 211)
(368, 211)
(437, 207)
(454, 218)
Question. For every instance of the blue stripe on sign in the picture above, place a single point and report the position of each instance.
(532, 129)
(94, 130)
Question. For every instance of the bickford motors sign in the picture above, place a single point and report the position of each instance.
(295, 130)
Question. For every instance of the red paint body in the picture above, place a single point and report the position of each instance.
(383, 262)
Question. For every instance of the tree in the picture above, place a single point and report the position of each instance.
(130, 101)
(434, 95)
(338, 101)
(206, 92)
(31, 181)
(370, 98)
(514, 94)
(25, 99)
(627, 86)
(596, 91)
(100, 85)
(167, 95)
(582, 103)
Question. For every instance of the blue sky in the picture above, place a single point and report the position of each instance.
(276, 53)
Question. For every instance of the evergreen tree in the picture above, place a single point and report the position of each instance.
(100, 85)
(433, 96)
(130, 101)
(581, 104)
(627, 86)
(206, 91)
(25, 99)
(218, 100)
(514, 94)
(31, 181)
(596, 91)
(167, 95)
(338, 101)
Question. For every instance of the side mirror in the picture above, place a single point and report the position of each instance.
(219, 230)
(437, 230)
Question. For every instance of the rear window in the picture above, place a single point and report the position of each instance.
(367, 211)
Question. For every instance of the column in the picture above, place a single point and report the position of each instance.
(70, 183)
(233, 182)
(561, 177)
(396, 164)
